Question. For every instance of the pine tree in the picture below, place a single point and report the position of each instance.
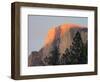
(65, 59)
(53, 59)
(84, 55)
(76, 50)
(68, 56)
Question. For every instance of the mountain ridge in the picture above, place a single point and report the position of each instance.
(60, 36)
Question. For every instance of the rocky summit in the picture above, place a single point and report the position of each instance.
(60, 37)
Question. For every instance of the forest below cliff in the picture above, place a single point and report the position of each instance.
(76, 54)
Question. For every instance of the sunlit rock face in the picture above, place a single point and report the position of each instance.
(60, 36)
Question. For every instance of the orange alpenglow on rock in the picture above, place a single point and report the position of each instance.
(63, 28)
(50, 36)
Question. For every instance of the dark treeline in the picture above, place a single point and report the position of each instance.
(76, 54)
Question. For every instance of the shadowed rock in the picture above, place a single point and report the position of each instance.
(62, 37)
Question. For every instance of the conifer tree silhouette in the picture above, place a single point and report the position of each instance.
(76, 50)
(53, 59)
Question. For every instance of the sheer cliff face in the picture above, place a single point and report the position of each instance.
(61, 37)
